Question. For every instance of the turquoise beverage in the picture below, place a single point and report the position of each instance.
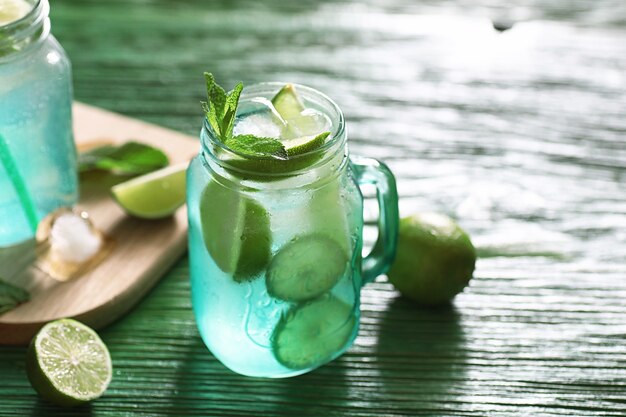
(275, 244)
(37, 155)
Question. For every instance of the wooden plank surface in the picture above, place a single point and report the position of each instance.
(137, 254)
(519, 135)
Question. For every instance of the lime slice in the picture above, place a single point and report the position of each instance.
(311, 334)
(68, 364)
(264, 169)
(297, 119)
(303, 132)
(287, 102)
(435, 259)
(236, 231)
(304, 144)
(306, 268)
(154, 195)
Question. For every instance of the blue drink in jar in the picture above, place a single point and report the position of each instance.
(37, 154)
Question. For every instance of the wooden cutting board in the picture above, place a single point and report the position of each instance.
(141, 250)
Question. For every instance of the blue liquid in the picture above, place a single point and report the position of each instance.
(237, 319)
(35, 125)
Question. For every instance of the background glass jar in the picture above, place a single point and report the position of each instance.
(37, 154)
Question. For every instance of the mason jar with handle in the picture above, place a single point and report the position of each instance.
(37, 154)
(275, 246)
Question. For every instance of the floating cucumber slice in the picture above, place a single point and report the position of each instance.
(306, 268)
(311, 334)
(236, 231)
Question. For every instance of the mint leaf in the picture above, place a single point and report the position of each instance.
(256, 146)
(131, 158)
(221, 111)
(11, 296)
(232, 101)
(214, 107)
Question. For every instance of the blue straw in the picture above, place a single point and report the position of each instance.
(18, 184)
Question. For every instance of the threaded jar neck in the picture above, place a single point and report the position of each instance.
(26, 32)
(226, 161)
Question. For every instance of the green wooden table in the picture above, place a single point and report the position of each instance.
(520, 135)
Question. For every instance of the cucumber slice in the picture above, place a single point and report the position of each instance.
(306, 268)
(311, 334)
(236, 232)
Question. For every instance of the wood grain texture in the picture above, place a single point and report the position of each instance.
(519, 135)
(140, 251)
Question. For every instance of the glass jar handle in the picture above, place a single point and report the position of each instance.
(372, 171)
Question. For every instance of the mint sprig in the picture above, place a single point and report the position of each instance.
(11, 296)
(257, 146)
(221, 109)
(130, 158)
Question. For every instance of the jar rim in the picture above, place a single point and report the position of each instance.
(256, 90)
(211, 143)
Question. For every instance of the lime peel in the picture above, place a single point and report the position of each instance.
(236, 231)
(155, 195)
(435, 259)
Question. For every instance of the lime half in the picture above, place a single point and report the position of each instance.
(306, 268)
(68, 364)
(311, 334)
(236, 231)
(154, 195)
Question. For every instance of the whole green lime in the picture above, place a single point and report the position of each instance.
(435, 259)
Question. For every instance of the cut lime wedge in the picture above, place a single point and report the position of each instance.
(304, 144)
(259, 168)
(303, 132)
(298, 120)
(68, 364)
(287, 102)
(236, 231)
(311, 334)
(306, 268)
(154, 195)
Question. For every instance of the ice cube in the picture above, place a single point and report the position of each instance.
(310, 122)
(259, 125)
(73, 239)
(264, 123)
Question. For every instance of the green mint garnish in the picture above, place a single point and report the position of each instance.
(130, 158)
(11, 296)
(221, 109)
(257, 146)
